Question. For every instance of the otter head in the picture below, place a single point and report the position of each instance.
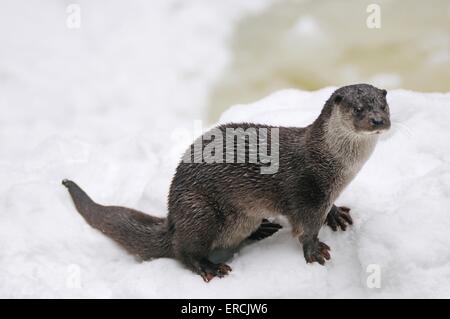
(363, 108)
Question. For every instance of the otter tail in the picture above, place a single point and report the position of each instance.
(140, 234)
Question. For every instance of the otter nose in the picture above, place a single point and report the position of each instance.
(377, 121)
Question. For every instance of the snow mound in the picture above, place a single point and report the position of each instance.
(399, 204)
(399, 200)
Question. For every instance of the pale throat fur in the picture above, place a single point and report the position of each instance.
(349, 149)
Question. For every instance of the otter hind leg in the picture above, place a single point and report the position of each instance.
(339, 217)
(194, 238)
(266, 229)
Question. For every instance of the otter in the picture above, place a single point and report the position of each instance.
(219, 205)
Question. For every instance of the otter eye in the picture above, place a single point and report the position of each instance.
(357, 110)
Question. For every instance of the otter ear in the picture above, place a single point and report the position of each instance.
(338, 99)
(384, 92)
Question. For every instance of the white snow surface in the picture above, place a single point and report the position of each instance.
(399, 202)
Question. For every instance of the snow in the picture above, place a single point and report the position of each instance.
(115, 116)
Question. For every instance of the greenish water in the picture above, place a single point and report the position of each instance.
(312, 44)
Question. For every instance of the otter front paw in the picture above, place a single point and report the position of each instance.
(315, 250)
(339, 217)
